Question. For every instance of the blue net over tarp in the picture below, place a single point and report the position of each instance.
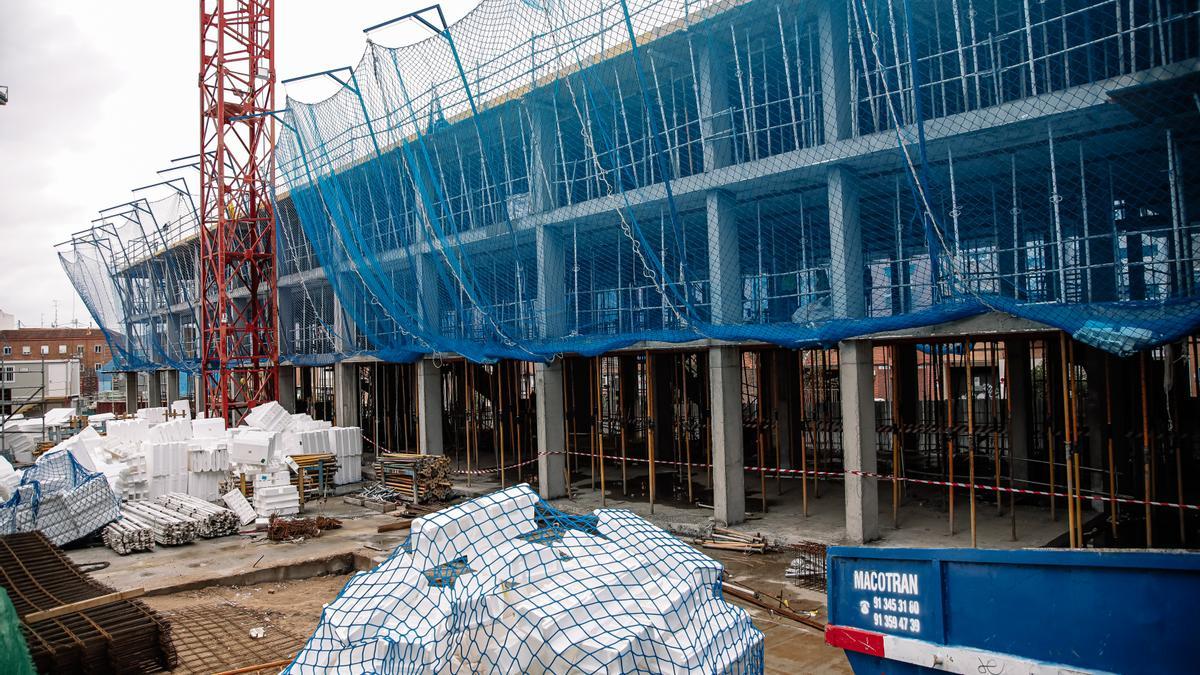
(552, 177)
(506, 583)
(60, 498)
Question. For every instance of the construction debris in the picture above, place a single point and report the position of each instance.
(286, 529)
(415, 478)
(730, 540)
(808, 568)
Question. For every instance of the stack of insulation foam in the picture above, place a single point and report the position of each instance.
(505, 583)
(168, 464)
(346, 445)
(274, 495)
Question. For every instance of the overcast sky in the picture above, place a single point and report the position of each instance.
(103, 93)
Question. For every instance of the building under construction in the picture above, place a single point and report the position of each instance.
(861, 268)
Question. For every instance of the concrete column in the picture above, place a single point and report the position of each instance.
(1019, 389)
(131, 393)
(429, 408)
(154, 397)
(173, 390)
(552, 458)
(543, 165)
(724, 269)
(343, 328)
(346, 394)
(725, 395)
(289, 342)
(856, 374)
(429, 308)
(716, 120)
(845, 245)
(287, 388)
(1097, 423)
(834, 35)
(551, 303)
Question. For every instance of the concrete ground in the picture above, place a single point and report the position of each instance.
(288, 612)
(284, 585)
(242, 560)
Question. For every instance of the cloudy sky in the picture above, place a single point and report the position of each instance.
(103, 94)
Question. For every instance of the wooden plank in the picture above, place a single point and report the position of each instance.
(401, 524)
(82, 605)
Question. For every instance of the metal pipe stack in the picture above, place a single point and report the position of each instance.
(170, 528)
(129, 535)
(214, 520)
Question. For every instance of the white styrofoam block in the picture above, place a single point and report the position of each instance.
(182, 407)
(152, 415)
(269, 416)
(236, 501)
(252, 447)
(208, 427)
(128, 431)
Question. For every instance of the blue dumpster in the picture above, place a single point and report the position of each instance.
(988, 612)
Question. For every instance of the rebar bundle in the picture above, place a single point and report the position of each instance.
(119, 637)
(214, 520)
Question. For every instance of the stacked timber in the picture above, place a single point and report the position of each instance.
(170, 528)
(415, 478)
(730, 540)
(214, 521)
(319, 472)
(128, 535)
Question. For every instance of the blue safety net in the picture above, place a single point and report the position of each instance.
(135, 269)
(505, 583)
(550, 177)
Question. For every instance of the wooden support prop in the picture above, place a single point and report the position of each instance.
(82, 605)
(650, 424)
(755, 598)
(969, 355)
(1012, 443)
(802, 422)
(994, 419)
(1146, 450)
(624, 426)
(593, 406)
(1108, 434)
(687, 432)
(1064, 360)
(599, 422)
(896, 424)
(759, 434)
(498, 386)
(948, 391)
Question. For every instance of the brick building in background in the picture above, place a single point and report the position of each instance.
(85, 344)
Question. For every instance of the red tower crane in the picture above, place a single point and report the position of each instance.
(239, 343)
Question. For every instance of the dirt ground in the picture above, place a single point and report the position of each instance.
(289, 611)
